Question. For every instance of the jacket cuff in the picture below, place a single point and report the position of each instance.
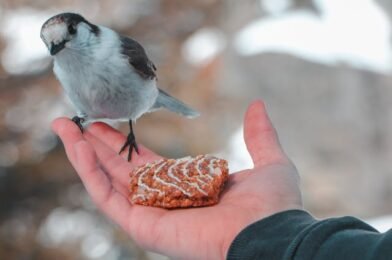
(270, 237)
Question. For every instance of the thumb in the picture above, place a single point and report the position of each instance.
(260, 136)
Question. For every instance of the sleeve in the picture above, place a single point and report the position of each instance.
(295, 234)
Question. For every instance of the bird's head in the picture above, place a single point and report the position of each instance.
(67, 30)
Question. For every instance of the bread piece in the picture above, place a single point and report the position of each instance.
(179, 183)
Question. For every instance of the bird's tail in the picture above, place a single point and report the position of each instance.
(164, 100)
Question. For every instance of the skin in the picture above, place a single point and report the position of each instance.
(271, 186)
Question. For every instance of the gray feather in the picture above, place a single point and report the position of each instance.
(164, 100)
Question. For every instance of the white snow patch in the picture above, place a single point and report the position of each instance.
(236, 153)
(382, 224)
(353, 31)
(21, 29)
(202, 46)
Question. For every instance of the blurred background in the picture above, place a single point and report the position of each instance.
(323, 67)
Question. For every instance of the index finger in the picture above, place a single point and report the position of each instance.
(69, 134)
(115, 139)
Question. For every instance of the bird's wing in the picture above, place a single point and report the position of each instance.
(137, 57)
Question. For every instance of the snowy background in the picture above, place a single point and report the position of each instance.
(323, 67)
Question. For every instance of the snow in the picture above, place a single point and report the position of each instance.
(236, 153)
(382, 224)
(358, 36)
(203, 45)
(21, 29)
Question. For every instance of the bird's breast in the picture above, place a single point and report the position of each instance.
(108, 89)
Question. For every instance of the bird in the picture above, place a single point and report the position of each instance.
(104, 74)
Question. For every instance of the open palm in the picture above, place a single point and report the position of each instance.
(195, 233)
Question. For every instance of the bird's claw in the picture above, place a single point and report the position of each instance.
(78, 121)
(131, 143)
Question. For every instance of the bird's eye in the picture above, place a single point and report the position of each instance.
(71, 29)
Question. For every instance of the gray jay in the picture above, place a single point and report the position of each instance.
(105, 75)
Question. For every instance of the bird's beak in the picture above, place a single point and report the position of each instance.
(56, 48)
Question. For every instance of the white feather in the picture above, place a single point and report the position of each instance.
(55, 33)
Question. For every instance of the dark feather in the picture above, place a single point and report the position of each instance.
(137, 58)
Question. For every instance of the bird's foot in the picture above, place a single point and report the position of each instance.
(131, 143)
(78, 121)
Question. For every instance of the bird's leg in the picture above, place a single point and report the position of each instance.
(131, 142)
(78, 121)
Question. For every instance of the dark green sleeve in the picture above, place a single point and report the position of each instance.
(295, 234)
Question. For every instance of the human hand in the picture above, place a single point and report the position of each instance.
(196, 233)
